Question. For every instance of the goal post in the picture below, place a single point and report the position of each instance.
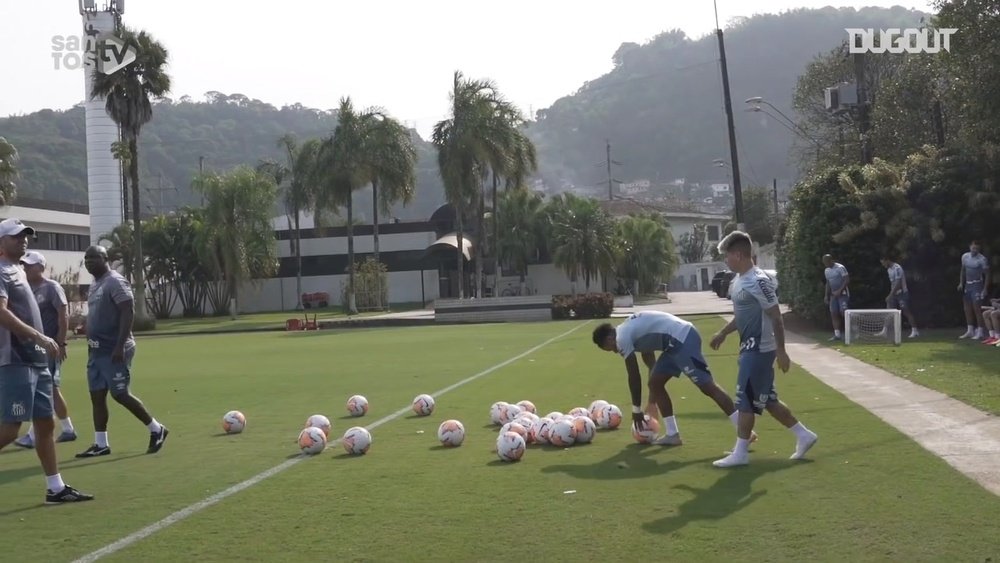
(873, 326)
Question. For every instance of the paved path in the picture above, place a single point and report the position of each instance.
(967, 438)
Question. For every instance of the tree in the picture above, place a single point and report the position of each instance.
(646, 252)
(582, 238)
(523, 161)
(128, 92)
(520, 220)
(8, 172)
(693, 246)
(758, 214)
(392, 164)
(238, 238)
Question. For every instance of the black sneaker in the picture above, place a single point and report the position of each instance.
(68, 494)
(95, 451)
(156, 440)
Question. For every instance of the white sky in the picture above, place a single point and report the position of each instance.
(399, 54)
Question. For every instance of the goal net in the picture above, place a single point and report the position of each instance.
(872, 326)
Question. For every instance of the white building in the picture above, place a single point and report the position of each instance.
(62, 234)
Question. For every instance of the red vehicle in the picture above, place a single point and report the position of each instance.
(318, 300)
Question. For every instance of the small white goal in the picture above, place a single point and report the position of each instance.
(873, 326)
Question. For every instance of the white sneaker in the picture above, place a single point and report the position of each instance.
(732, 460)
(968, 334)
(802, 445)
(25, 442)
(914, 333)
(978, 335)
(674, 440)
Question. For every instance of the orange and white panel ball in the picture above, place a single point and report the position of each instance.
(585, 429)
(357, 405)
(508, 413)
(579, 411)
(515, 427)
(595, 408)
(356, 440)
(451, 433)
(562, 433)
(510, 446)
(648, 434)
(312, 440)
(610, 417)
(321, 422)
(554, 415)
(234, 422)
(527, 406)
(496, 412)
(540, 430)
(423, 404)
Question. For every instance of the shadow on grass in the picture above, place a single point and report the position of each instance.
(12, 475)
(632, 462)
(23, 509)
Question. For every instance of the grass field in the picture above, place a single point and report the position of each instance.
(867, 493)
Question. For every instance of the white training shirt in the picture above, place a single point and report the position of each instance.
(651, 331)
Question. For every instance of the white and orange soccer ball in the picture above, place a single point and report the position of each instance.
(496, 412)
(423, 405)
(510, 446)
(527, 406)
(321, 422)
(562, 433)
(610, 417)
(648, 434)
(554, 415)
(312, 440)
(451, 433)
(526, 419)
(585, 429)
(357, 405)
(356, 440)
(540, 430)
(579, 411)
(595, 409)
(514, 426)
(234, 422)
(508, 413)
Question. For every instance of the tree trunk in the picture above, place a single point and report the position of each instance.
(496, 242)
(352, 307)
(142, 319)
(480, 242)
(461, 255)
(298, 261)
(375, 218)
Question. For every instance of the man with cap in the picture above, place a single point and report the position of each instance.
(25, 381)
(54, 308)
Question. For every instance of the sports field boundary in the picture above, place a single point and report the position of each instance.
(212, 500)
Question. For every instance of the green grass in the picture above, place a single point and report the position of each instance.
(962, 369)
(258, 321)
(868, 493)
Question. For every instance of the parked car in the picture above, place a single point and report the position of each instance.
(721, 282)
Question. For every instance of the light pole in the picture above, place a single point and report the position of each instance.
(791, 125)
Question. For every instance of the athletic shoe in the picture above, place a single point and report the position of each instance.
(95, 451)
(732, 460)
(156, 440)
(968, 334)
(991, 340)
(674, 440)
(833, 338)
(803, 444)
(68, 494)
(25, 442)
(67, 436)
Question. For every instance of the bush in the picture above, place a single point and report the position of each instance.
(371, 281)
(583, 306)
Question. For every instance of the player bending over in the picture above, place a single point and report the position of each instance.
(837, 294)
(899, 293)
(679, 345)
(762, 340)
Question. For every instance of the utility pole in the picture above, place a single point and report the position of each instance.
(608, 162)
(734, 160)
(775, 193)
(864, 113)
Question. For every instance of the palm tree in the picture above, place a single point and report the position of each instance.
(648, 254)
(523, 161)
(8, 172)
(519, 223)
(392, 162)
(582, 237)
(128, 92)
(476, 134)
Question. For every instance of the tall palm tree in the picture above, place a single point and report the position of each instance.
(392, 163)
(8, 172)
(582, 237)
(648, 254)
(128, 92)
(466, 143)
(519, 221)
(523, 162)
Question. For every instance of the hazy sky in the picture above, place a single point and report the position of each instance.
(394, 53)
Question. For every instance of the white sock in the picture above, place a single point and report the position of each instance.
(101, 439)
(55, 483)
(31, 432)
(154, 427)
(671, 425)
(969, 329)
(735, 418)
(837, 333)
(993, 334)
(67, 424)
(742, 447)
(801, 431)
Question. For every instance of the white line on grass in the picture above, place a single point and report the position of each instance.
(218, 497)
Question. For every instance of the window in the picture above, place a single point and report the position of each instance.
(59, 241)
(713, 233)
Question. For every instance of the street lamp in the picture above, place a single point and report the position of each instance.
(794, 128)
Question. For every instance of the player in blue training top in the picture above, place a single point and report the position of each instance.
(679, 344)
(974, 283)
(757, 317)
(837, 293)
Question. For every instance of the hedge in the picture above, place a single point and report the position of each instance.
(583, 306)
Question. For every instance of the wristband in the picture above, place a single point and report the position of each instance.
(636, 409)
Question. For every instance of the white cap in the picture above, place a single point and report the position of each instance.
(13, 227)
(31, 257)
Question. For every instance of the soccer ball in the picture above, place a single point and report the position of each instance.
(234, 422)
(312, 440)
(554, 415)
(562, 433)
(540, 430)
(510, 446)
(423, 405)
(647, 435)
(580, 411)
(610, 417)
(515, 427)
(356, 440)
(508, 413)
(526, 419)
(527, 406)
(357, 405)
(321, 422)
(595, 408)
(585, 429)
(496, 412)
(451, 433)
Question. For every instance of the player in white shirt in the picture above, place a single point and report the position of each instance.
(899, 292)
(679, 344)
(757, 317)
(974, 283)
(837, 294)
